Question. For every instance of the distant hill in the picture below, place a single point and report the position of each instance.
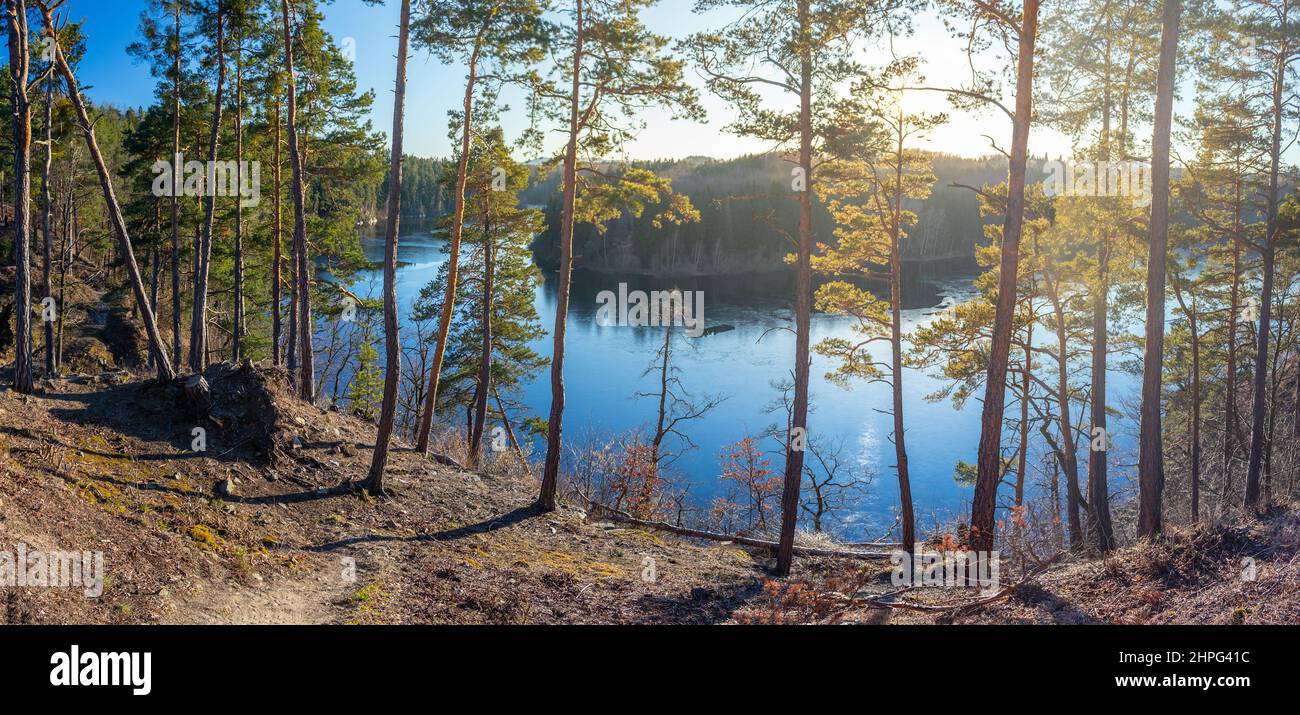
(745, 215)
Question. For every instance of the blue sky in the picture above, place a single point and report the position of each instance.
(114, 77)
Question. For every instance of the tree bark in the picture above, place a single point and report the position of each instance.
(989, 463)
(1103, 534)
(485, 354)
(1068, 451)
(896, 349)
(392, 341)
(1230, 383)
(453, 258)
(1268, 252)
(1196, 416)
(176, 187)
(277, 239)
(554, 424)
(237, 329)
(19, 68)
(1151, 465)
(797, 439)
(302, 318)
(47, 208)
(199, 315)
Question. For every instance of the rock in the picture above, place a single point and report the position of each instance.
(224, 488)
(176, 475)
(296, 443)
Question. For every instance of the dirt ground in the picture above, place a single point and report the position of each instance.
(106, 464)
(266, 526)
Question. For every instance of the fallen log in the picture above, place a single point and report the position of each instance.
(625, 518)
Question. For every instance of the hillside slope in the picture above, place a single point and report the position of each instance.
(266, 526)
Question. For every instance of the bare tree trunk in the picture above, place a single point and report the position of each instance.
(1069, 451)
(65, 258)
(176, 187)
(237, 329)
(1268, 252)
(1196, 416)
(554, 425)
(392, 342)
(989, 463)
(199, 316)
(510, 434)
(1103, 533)
(1230, 386)
(165, 373)
(306, 366)
(797, 439)
(896, 349)
(1151, 462)
(47, 208)
(485, 354)
(453, 257)
(665, 361)
(19, 68)
(277, 239)
(1022, 456)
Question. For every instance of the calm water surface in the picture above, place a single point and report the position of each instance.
(605, 365)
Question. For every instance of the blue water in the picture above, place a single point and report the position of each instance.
(605, 365)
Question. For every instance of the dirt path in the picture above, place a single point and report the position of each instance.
(308, 600)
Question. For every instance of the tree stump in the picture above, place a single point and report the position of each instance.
(198, 395)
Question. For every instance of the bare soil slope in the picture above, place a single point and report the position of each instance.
(266, 526)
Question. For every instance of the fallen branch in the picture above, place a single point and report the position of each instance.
(624, 517)
(880, 602)
(446, 461)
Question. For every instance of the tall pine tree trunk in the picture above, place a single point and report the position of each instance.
(453, 258)
(1103, 533)
(302, 316)
(989, 462)
(896, 347)
(237, 329)
(1151, 461)
(176, 186)
(1230, 383)
(554, 425)
(277, 240)
(796, 441)
(47, 209)
(392, 342)
(1258, 407)
(19, 68)
(1069, 457)
(199, 316)
(485, 351)
(1196, 415)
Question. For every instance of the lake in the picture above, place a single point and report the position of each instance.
(605, 365)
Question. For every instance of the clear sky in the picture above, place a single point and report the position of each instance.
(113, 77)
